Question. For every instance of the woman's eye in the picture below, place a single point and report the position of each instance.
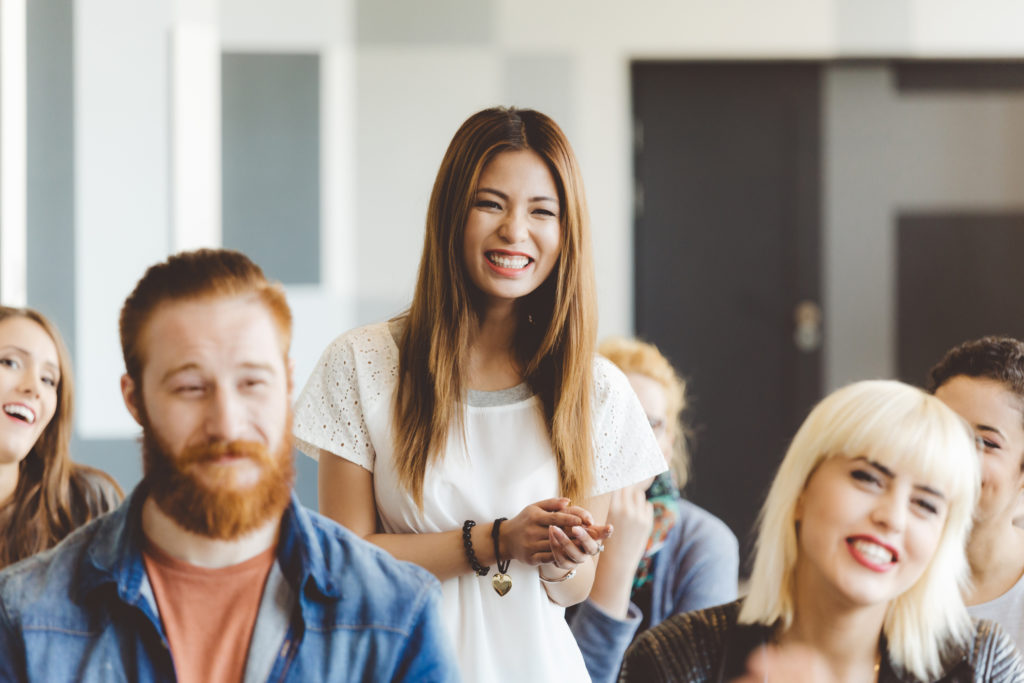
(487, 204)
(9, 362)
(49, 381)
(545, 212)
(927, 506)
(865, 476)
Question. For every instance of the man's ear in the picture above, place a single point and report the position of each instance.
(131, 397)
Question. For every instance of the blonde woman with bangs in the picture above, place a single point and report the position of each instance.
(480, 431)
(859, 560)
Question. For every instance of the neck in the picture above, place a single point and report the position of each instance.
(492, 358)
(181, 544)
(8, 481)
(995, 553)
(846, 635)
(497, 323)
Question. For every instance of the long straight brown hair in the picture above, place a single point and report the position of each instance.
(556, 323)
(53, 495)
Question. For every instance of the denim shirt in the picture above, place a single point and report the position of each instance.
(335, 608)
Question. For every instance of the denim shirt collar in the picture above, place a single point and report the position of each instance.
(115, 554)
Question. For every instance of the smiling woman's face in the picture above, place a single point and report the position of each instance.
(29, 377)
(512, 237)
(866, 532)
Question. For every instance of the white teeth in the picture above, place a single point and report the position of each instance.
(18, 410)
(507, 261)
(873, 552)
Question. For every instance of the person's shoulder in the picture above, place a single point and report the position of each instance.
(703, 528)
(359, 564)
(98, 491)
(48, 580)
(608, 377)
(685, 646)
(372, 338)
(993, 653)
(707, 625)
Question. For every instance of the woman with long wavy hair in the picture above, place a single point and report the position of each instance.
(486, 401)
(43, 495)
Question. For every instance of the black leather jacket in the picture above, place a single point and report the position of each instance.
(708, 646)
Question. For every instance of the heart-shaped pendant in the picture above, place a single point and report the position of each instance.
(502, 583)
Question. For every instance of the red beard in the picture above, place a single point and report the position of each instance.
(221, 511)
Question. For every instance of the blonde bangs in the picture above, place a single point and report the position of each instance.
(912, 432)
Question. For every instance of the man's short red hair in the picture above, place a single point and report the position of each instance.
(193, 275)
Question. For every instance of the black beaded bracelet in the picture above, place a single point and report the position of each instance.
(467, 543)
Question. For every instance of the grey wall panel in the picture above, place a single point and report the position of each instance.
(445, 22)
(50, 147)
(889, 153)
(271, 162)
(120, 458)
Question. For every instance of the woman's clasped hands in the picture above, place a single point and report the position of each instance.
(553, 532)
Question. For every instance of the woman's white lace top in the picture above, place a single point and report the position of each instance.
(502, 463)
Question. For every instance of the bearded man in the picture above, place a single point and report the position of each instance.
(212, 570)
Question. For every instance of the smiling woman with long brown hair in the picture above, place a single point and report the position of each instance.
(487, 400)
(43, 495)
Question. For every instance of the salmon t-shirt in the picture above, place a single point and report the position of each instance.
(208, 614)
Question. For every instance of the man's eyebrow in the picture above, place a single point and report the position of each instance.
(265, 367)
(180, 368)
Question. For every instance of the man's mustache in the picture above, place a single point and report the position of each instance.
(210, 452)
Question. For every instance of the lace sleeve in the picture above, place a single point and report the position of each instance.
(351, 376)
(625, 450)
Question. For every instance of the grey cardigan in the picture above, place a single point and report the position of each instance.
(709, 646)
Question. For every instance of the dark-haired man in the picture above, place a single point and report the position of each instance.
(211, 570)
(983, 380)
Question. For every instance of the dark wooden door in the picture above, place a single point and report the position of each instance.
(960, 278)
(726, 246)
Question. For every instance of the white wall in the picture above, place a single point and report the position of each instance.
(391, 105)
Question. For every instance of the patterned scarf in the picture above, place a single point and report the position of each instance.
(664, 496)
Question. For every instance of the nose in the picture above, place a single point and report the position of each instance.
(891, 510)
(514, 229)
(29, 383)
(224, 416)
